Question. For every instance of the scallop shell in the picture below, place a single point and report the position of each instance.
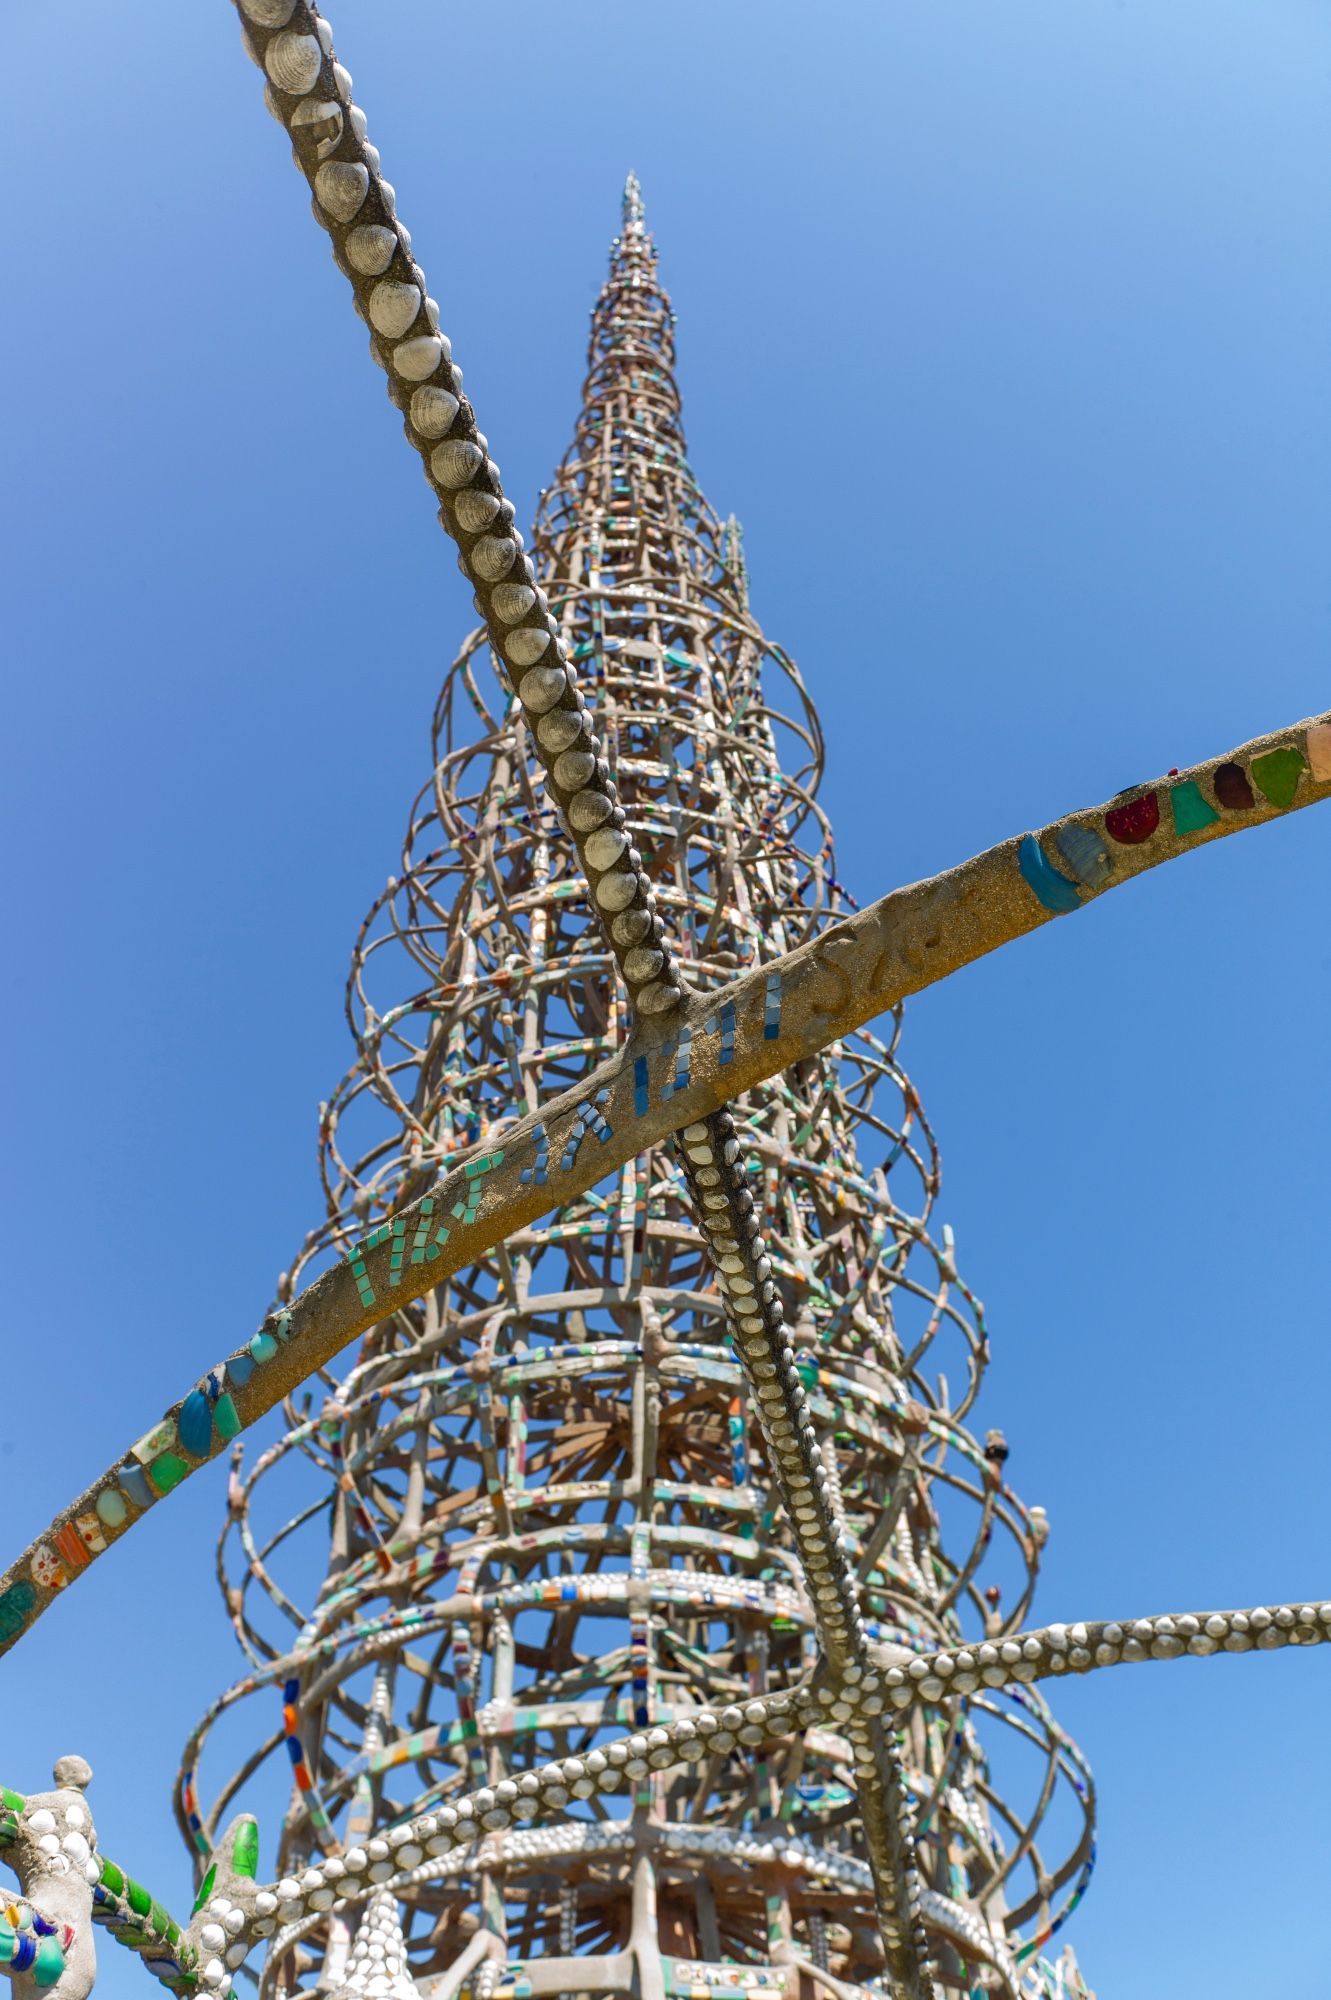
(616, 892)
(556, 731)
(512, 601)
(393, 307)
(542, 688)
(433, 411)
(1085, 853)
(341, 187)
(453, 464)
(589, 808)
(603, 850)
(293, 62)
(573, 769)
(370, 250)
(268, 13)
(640, 964)
(417, 359)
(494, 556)
(475, 510)
(526, 646)
(323, 116)
(658, 998)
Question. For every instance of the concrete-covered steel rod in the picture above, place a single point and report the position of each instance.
(905, 942)
(895, 1680)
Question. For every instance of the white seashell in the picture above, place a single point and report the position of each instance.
(455, 463)
(512, 601)
(634, 924)
(323, 29)
(494, 557)
(417, 359)
(370, 249)
(341, 187)
(42, 1821)
(542, 688)
(603, 849)
(271, 105)
(356, 120)
(475, 510)
(293, 62)
(371, 154)
(556, 731)
(323, 115)
(659, 998)
(393, 307)
(433, 411)
(588, 809)
(573, 769)
(388, 196)
(526, 646)
(268, 13)
(432, 311)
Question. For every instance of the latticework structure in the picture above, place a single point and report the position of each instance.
(648, 1620)
(551, 1504)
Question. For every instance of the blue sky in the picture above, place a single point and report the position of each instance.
(1003, 330)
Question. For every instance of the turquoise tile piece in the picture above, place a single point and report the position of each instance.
(1191, 812)
(194, 1426)
(1053, 890)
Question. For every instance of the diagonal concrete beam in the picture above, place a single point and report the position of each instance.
(783, 1012)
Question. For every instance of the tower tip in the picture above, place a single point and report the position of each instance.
(634, 220)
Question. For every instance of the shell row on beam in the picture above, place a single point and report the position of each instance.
(309, 93)
(732, 1230)
(231, 1923)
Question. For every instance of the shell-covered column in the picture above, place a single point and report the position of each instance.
(536, 1509)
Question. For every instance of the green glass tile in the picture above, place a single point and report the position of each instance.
(1276, 775)
(167, 1471)
(13, 1800)
(1191, 812)
(226, 1417)
(139, 1899)
(172, 1931)
(112, 1878)
(205, 1889)
(245, 1858)
(49, 1963)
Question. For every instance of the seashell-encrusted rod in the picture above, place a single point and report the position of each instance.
(309, 93)
(709, 1153)
(893, 1680)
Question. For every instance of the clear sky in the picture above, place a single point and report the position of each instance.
(1003, 328)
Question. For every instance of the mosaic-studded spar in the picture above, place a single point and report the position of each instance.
(553, 1509)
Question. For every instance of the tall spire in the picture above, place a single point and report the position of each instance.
(544, 1500)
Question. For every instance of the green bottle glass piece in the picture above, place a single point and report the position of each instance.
(1277, 774)
(205, 1889)
(245, 1855)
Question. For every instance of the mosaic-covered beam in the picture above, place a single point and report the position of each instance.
(782, 1012)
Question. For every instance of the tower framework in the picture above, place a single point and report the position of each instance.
(553, 1514)
(651, 1647)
